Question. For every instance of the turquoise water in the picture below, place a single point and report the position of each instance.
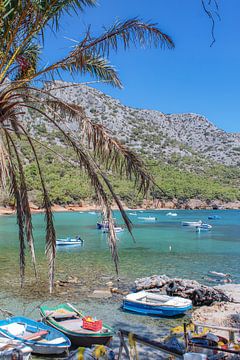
(162, 247)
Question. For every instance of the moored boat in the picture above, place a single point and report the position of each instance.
(42, 338)
(102, 225)
(70, 241)
(147, 303)
(203, 227)
(192, 223)
(13, 349)
(69, 321)
(117, 229)
(171, 214)
(214, 217)
(147, 218)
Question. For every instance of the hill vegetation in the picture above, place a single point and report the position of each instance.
(182, 169)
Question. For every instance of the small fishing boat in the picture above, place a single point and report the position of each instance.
(147, 303)
(203, 227)
(133, 214)
(102, 225)
(214, 217)
(192, 223)
(147, 218)
(70, 241)
(13, 349)
(42, 338)
(92, 212)
(171, 214)
(69, 321)
(117, 229)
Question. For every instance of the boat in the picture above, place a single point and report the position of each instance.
(117, 229)
(203, 227)
(149, 218)
(214, 217)
(192, 223)
(102, 225)
(69, 321)
(92, 212)
(9, 349)
(42, 338)
(147, 303)
(218, 274)
(171, 214)
(70, 241)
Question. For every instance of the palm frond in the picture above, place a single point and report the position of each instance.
(50, 247)
(95, 66)
(19, 210)
(126, 33)
(4, 162)
(111, 152)
(129, 32)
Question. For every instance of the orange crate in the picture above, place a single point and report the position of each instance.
(90, 324)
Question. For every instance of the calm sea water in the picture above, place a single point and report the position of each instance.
(161, 247)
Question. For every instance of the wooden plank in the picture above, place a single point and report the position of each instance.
(155, 344)
(35, 335)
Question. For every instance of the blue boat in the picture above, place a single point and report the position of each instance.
(214, 217)
(148, 303)
(42, 338)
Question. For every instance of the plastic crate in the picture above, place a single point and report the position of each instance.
(90, 324)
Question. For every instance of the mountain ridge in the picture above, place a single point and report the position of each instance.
(155, 133)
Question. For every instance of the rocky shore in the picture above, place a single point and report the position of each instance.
(192, 204)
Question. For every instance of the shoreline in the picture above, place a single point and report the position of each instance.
(85, 208)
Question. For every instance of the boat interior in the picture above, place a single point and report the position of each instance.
(71, 321)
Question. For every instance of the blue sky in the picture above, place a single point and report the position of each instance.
(193, 77)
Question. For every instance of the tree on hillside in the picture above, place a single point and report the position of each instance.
(22, 26)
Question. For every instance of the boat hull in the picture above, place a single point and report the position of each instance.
(191, 223)
(83, 340)
(77, 337)
(162, 311)
(54, 343)
(68, 243)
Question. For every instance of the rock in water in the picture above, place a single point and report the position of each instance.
(191, 289)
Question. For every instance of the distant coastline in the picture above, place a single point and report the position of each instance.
(192, 204)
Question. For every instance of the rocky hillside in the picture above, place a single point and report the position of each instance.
(155, 133)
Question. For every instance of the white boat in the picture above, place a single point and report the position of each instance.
(117, 229)
(147, 218)
(148, 303)
(192, 223)
(70, 241)
(9, 347)
(92, 212)
(203, 227)
(133, 214)
(218, 274)
(171, 214)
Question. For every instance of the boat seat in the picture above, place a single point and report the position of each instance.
(59, 315)
(35, 335)
(56, 341)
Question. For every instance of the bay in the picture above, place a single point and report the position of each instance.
(160, 247)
